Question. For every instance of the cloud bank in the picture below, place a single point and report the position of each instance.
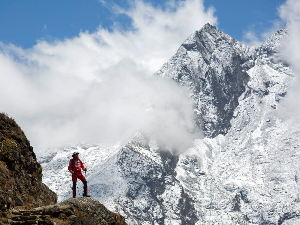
(290, 14)
(97, 87)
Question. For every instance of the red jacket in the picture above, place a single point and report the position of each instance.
(76, 166)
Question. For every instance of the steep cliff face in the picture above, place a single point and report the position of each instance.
(213, 66)
(20, 173)
(246, 170)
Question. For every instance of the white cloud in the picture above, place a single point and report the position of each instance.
(290, 14)
(253, 38)
(97, 87)
(103, 2)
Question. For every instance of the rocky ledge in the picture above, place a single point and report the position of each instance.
(84, 211)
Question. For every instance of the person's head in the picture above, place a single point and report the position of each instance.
(75, 154)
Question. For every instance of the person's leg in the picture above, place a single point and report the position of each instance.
(85, 189)
(74, 189)
(74, 179)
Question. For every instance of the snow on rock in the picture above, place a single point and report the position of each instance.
(213, 66)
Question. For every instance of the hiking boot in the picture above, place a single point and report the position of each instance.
(86, 195)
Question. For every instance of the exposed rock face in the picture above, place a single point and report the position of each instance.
(213, 66)
(20, 173)
(83, 211)
(154, 193)
(94, 211)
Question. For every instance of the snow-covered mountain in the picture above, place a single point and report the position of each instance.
(246, 169)
(214, 66)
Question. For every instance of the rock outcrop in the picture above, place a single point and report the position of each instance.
(72, 211)
(20, 173)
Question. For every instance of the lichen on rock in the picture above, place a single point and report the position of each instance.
(9, 150)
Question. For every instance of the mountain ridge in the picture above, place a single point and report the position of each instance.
(212, 65)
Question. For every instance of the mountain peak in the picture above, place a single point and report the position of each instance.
(273, 43)
(213, 31)
(208, 26)
(214, 68)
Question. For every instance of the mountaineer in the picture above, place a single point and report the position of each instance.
(75, 167)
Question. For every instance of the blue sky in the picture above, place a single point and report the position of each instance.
(24, 22)
(236, 17)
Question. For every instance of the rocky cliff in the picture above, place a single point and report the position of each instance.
(20, 173)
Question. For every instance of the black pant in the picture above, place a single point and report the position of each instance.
(84, 188)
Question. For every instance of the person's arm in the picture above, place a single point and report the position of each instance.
(70, 166)
(82, 166)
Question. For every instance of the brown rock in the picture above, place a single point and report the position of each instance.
(91, 211)
(20, 173)
(69, 213)
(52, 210)
(19, 201)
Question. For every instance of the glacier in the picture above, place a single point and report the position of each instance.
(245, 170)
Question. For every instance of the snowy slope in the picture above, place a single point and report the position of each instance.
(244, 172)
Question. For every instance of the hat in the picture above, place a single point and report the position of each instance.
(75, 153)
